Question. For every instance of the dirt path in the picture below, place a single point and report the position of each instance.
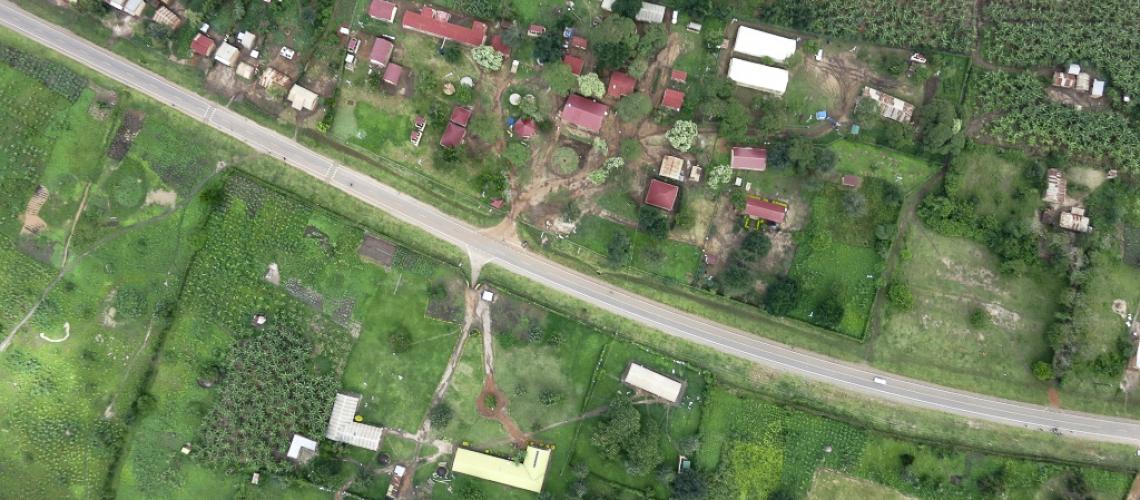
(74, 221)
(906, 215)
(490, 390)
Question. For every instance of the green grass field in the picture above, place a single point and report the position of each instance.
(864, 160)
(828, 484)
(949, 278)
(669, 259)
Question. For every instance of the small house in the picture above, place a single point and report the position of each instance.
(1056, 187)
(1074, 220)
(461, 115)
(649, 13)
(583, 113)
(245, 70)
(678, 76)
(761, 209)
(453, 135)
(167, 17)
(525, 128)
(673, 99)
(1098, 88)
(302, 99)
(890, 107)
(651, 382)
(202, 45)
(672, 168)
(535, 30)
(227, 54)
(273, 77)
(574, 62)
(751, 159)
(131, 7)
(392, 74)
(247, 39)
(662, 195)
(382, 10)
(621, 84)
(851, 181)
(577, 42)
(381, 52)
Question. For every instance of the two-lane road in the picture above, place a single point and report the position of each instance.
(851, 377)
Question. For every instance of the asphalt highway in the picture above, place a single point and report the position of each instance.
(483, 249)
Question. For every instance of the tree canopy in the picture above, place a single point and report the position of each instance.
(590, 85)
(682, 135)
(487, 57)
(633, 107)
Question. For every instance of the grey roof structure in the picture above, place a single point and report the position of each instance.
(344, 429)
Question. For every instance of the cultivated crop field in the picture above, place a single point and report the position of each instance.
(670, 259)
(944, 24)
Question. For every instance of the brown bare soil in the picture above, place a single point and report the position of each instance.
(499, 412)
(162, 198)
(33, 224)
(1054, 397)
(377, 250)
(125, 136)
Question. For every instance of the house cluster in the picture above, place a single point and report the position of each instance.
(1074, 78)
(242, 56)
(764, 46)
(757, 210)
(890, 107)
(1063, 211)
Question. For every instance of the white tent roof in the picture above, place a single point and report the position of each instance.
(758, 43)
(300, 443)
(304, 99)
(653, 383)
(758, 76)
(649, 13)
(344, 429)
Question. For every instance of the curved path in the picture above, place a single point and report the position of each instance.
(483, 249)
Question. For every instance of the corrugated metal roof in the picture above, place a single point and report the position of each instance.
(528, 475)
(652, 382)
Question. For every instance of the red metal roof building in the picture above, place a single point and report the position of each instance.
(579, 43)
(453, 135)
(202, 45)
(673, 99)
(753, 159)
(765, 210)
(679, 76)
(662, 195)
(852, 181)
(535, 30)
(497, 43)
(584, 113)
(392, 74)
(382, 10)
(461, 115)
(526, 128)
(574, 62)
(381, 52)
(436, 23)
(621, 84)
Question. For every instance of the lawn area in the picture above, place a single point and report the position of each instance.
(467, 426)
(976, 173)
(669, 259)
(855, 158)
(949, 278)
(806, 93)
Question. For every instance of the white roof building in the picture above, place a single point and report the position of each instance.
(1098, 88)
(649, 13)
(303, 99)
(247, 39)
(301, 445)
(245, 71)
(758, 76)
(890, 106)
(344, 428)
(756, 43)
(652, 382)
(132, 7)
(227, 54)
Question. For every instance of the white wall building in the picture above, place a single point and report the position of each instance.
(756, 43)
(758, 76)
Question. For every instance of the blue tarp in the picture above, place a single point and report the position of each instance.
(821, 115)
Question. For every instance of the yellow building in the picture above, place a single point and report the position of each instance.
(527, 475)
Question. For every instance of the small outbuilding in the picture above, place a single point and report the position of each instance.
(525, 128)
(672, 168)
(851, 181)
(301, 448)
(381, 52)
(574, 62)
